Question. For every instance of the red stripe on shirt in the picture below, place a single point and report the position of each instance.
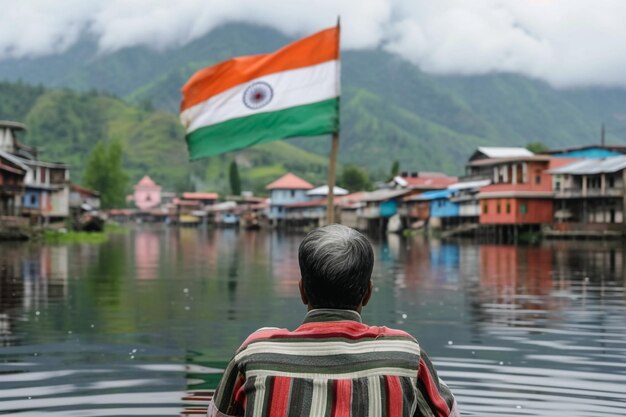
(431, 389)
(342, 398)
(394, 396)
(341, 329)
(280, 397)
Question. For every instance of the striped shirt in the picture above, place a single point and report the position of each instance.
(333, 365)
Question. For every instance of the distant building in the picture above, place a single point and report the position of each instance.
(83, 199)
(423, 181)
(520, 192)
(46, 184)
(588, 151)
(286, 190)
(12, 178)
(493, 152)
(589, 196)
(204, 199)
(147, 194)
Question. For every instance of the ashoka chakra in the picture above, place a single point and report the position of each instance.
(258, 95)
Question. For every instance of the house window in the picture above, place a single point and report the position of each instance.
(498, 207)
(537, 176)
(523, 209)
(508, 207)
(33, 200)
(485, 208)
(293, 193)
(611, 181)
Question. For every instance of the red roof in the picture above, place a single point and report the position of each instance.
(186, 203)
(435, 182)
(84, 191)
(289, 181)
(200, 196)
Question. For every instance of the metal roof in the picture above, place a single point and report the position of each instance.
(503, 152)
(382, 195)
(469, 184)
(592, 166)
(12, 125)
(15, 159)
(433, 195)
(323, 190)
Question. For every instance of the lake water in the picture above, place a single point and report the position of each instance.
(128, 327)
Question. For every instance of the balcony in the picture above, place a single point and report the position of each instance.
(576, 192)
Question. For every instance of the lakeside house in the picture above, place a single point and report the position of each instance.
(12, 177)
(589, 197)
(45, 198)
(286, 190)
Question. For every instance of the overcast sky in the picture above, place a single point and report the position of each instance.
(565, 42)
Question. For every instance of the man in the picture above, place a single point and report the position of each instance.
(332, 365)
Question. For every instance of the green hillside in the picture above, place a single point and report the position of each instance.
(66, 125)
(390, 109)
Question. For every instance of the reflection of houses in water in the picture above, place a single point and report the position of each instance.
(515, 283)
(26, 282)
(516, 269)
(147, 253)
(285, 267)
(434, 259)
(45, 276)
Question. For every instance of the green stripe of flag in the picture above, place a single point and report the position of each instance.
(309, 120)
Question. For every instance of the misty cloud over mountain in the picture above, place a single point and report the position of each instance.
(565, 42)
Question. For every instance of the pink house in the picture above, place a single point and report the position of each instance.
(147, 194)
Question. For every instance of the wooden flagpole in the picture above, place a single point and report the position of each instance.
(334, 148)
(332, 164)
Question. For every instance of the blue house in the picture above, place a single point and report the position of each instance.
(588, 151)
(440, 204)
(287, 190)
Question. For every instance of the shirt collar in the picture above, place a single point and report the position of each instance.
(331, 314)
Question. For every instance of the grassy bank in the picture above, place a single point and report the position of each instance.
(64, 236)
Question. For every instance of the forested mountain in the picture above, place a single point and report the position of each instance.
(65, 126)
(390, 109)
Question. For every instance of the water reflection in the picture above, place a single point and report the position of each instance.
(143, 318)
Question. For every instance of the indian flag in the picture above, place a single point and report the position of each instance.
(256, 99)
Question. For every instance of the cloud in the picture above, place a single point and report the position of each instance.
(565, 42)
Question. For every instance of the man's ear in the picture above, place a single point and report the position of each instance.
(303, 296)
(368, 294)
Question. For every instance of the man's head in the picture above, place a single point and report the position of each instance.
(336, 265)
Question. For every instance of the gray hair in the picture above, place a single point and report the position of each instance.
(336, 264)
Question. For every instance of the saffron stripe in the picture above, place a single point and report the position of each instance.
(315, 49)
(310, 120)
(288, 89)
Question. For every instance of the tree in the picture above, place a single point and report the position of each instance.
(395, 169)
(537, 147)
(235, 182)
(355, 178)
(104, 173)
